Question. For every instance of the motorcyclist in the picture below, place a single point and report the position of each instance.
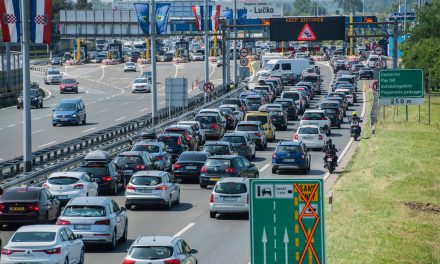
(356, 120)
(330, 149)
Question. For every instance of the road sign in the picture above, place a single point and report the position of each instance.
(244, 62)
(401, 87)
(379, 64)
(244, 52)
(306, 33)
(208, 87)
(378, 50)
(287, 221)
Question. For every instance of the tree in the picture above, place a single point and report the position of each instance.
(83, 5)
(58, 5)
(350, 6)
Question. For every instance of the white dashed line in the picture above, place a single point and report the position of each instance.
(102, 111)
(38, 131)
(264, 167)
(42, 146)
(186, 228)
(90, 129)
(120, 118)
(143, 110)
(13, 125)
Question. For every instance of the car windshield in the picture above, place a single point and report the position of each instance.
(84, 211)
(330, 111)
(169, 140)
(230, 188)
(147, 148)
(247, 128)
(275, 113)
(329, 105)
(188, 156)
(294, 96)
(230, 109)
(254, 100)
(289, 148)
(374, 59)
(146, 180)
(140, 81)
(69, 81)
(226, 110)
(62, 180)
(216, 148)
(310, 78)
(234, 139)
(94, 168)
(230, 101)
(313, 116)
(34, 236)
(20, 194)
(206, 119)
(128, 161)
(32, 92)
(129, 64)
(66, 107)
(218, 163)
(151, 253)
(268, 67)
(261, 118)
(53, 73)
(308, 130)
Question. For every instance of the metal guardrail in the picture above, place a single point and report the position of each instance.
(68, 155)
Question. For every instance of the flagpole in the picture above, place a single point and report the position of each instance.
(153, 62)
(235, 43)
(27, 136)
(205, 18)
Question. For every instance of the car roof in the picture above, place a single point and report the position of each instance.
(235, 133)
(256, 113)
(76, 174)
(186, 153)
(308, 126)
(314, 111)
(223, 157)
(249, 123)
(146, 142)
(44, 228)
(207, 114)
(217, 143)
(170, 135)
(136, 153)
(149, 173)
(290, 143)
(95, 200)
(70, 100)
(97, 155)
(233, 179)
(154, 241)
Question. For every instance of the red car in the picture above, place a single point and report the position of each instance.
(69, 85)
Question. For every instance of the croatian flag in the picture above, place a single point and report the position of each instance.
(215, 17)
(10, 20)
(199, 12)
(41, 21)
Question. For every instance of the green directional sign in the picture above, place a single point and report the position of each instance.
(287, 221)
(401, 87)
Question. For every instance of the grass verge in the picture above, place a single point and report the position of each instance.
(386, 205)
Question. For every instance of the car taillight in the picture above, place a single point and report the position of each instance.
(302, 156)
(215, 126)
(242, 145)
(295, 137)
(320, 137)
(228, 117)
(45, 185)
(241, 108)
(128, 261)
(172, 261)
(107, 178)
(274, 156)
(130, 187)
(10, 251)
(2, 208)
(301, 101)
(177, 166)
(78, 186)
(187, 137)
(63, 222)
(211, 199)
(229, 170)
(51, 251)
(161, 188)
(324, 118)
(305, 118)
(159, 157)
(179, 142)
(258, 134)
(103, 222)
(34, 207)
(140, 167)
(204, 169)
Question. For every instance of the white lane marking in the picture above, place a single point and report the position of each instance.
(264, 167)
(38, 118)
(118, 119)
(143, 110)
(102, 111)
(87, 130)
(13, 125)
(175, 73)
(38, 131)
(142, 97)
(162, 103)
(102, 75)
(186, 228)
(52, 142)
(126, 103)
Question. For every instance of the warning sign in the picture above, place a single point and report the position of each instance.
(306, 33)
(307, 189)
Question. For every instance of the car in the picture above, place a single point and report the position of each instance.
(44, 244)
(53, 76)
(256, 130)
(69, 111)
(316, 117)
(270, 107)
(99, 166)
(291, 155)
(150, 188)
(333, 104)
(219, 61)
(217, 167)
(175, 144)
(99, 220)
(242, 142)
(217, 112)
(69, 85)
(129, 66)
(231, 120)
(279, 119)
(235, 101)
(36, 98)
(265, 121)
(129, 162)
(67, 185)
(244, 95)
(160, 249)
(235, 110)
(159, 152)
(297, 97)
(56, 61)
(341, 102)
(28, 205)
(366, 73)
(211, 124)
(141, 85)
(229, 195)
(167, 56)
(289, 106)
(311, 135)
(190, 137)
(348, 94)
(197, 127)
(219, 148)
(254, 101)
(196, 56)
(189, 164)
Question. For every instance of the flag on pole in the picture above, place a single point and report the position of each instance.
(41, 21)
(142, 11)
(162, 16)
(215, 17)
(10, 20)
(199, 13)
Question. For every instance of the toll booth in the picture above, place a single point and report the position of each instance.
(114, 51)
(83, 50)
(182, 51)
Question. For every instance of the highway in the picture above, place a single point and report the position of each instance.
(219, 241)
(106, 91)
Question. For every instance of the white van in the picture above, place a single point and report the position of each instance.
(284, 66)
(269, 56)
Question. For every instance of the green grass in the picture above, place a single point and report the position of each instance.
(369, 222)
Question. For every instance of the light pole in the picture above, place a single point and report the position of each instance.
(206, 14)
(235, 43)
(153, 62)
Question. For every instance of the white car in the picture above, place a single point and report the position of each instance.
(312, 136)
(129, 66)
(372, 60)
(317, 118)
(67, 185)
(229, 195)
(196, 56)
(49, 244)
(53, 76)
(348, 94)
(141, 85)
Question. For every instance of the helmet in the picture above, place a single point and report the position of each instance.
(329, 141)
(354, 113)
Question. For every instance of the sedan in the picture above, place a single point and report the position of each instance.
(129, 66)
(20, 205)
(67, 185)
(49, 244)
(152, 187)
(69, 85)
(312, 136)
(189, 165)
(99, 220)
(229, 195)
(141, 85)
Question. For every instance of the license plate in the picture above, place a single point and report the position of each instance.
(214, 179)
(308, 137)
(62, 196)
(63, 119)
(17, 209)
(191, 167)
(329, 159)
(230, 199)
(313, 124)
(94, 179)
(289, 160)
(144, 190)
(128, 171)
(82, 227)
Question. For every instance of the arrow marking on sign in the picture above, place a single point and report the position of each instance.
(286, 243)
(264, 241)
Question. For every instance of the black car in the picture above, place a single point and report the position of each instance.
(289, 106)
(335, 116)
(189, 165)
(279, 119)
(175, 144)
(57, 61)
(101, 169)
(36, 98)
(241, 104)
(129, 162)
(159, 152)
(220, 166)
(219, 148)
(190, 136)
(288, 79)
(365, 73)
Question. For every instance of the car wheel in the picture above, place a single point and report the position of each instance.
(18, 107)
(54, 124)
(115, 188)
(274, 137)
(78, 122)
(85, 120)
(274, 170)
(41, 105)
(257, 175)
(125, 235)
(112, 245)
(61, 92)
(128, 206)
(81, 257)
(265, 146)
(339, 125)
(169, 204)
(212, 214)
(203, 186)
(177, 202)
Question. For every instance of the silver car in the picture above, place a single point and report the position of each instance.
(152, 187)
(229, 195)
(159, 250)
(97, 219)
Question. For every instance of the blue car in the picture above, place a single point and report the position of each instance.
(244, 95)
(291, 155)
(69, 111)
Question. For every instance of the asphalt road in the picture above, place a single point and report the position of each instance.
(106, 91)
(222, 240)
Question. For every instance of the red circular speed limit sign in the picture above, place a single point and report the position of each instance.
(244, 52)
(208, 87)
(378, 50)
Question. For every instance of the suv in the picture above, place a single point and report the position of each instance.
(190, 136)
(242, 143)
(36, 99)
(175, 144)
(197, 127)
(211, 124)
(256, 131)
(189, 164)
(236, 101)
(291, 155)
(53, 76)
(229, 195)
(159, 152)
(129, 162)
(289, 106)
(69, 111)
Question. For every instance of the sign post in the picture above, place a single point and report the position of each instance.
(287, 221)
(401, 87)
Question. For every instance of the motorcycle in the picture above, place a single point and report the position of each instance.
(329, 162)
(355, 130)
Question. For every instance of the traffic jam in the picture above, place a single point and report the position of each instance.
(215, 149)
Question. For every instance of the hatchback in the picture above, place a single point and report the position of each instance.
(318, 118)
(158, 150)
(190, 137)
(254, 101)
(211, 124)
(69, 111)
(129, 66)
(289, 106)
(229, 195)
(189, 164)
(290, 155)
(242, 143)
(255, 130)
(219, 148)
(129, 162)
(312, 136)
(235, 101)
(175, 144)
(265, 121)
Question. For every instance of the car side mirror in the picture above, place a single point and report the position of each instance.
(79, 236)
(193, 251)
(123, 209)
(53, 110)
(252, 165)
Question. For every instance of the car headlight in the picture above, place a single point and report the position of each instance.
(54, 116)
(74, 115)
